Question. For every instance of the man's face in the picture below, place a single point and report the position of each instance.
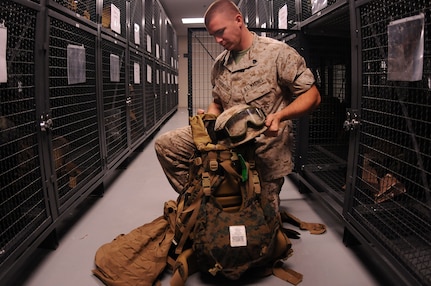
(226, 30)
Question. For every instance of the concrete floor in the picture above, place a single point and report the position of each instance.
(137, 196)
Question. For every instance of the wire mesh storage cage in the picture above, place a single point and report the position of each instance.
(23, 209)
(136, 31)
(136, 95)
(84, 9)
(275, 14)
(114, 17)
(313, 7)
(114, 97)
(73, 105)
(391, 199)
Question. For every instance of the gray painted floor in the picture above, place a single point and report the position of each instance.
(137, 196)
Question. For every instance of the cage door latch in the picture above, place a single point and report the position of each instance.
(352, 121)
(46, 122)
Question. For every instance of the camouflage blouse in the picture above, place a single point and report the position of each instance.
(268, 76)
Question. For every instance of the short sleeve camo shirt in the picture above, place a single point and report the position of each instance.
(268, 76)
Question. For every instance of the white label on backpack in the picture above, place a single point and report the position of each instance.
(238, 235)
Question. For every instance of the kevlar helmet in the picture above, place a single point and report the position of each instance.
(239, 124)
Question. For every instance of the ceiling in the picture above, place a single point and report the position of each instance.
(177, 9)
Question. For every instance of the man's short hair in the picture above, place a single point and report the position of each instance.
(221, 6)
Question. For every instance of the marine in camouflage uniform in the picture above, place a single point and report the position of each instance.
(267, 76)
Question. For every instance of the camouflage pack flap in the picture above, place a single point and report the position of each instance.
(232, 242)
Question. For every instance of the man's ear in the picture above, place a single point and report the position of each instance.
(239, 19)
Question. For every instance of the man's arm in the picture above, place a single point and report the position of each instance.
(302, 105)
(215, 108)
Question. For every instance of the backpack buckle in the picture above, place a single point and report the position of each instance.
(206, 183)
(198, 161)
(213, 165)
(217, 268)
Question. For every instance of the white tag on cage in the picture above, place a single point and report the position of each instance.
(406, 48)
(238, 235)
(282, 17)
(3, 47)
(149, 44)
(136, 73)
(137, 34)
(115, 19)
(149, 74)
(75, 64)
(114, 68)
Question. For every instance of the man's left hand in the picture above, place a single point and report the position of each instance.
(273, 123)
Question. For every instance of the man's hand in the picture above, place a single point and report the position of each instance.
(273, 123)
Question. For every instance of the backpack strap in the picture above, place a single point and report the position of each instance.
(286, 274)
(185, 266)
(186, 228)
(312, 227)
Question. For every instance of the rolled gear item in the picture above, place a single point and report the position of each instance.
(312, 227)
(209, 122)
(201, 138)
(238, 111)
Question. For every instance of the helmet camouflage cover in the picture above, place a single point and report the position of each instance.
(240, 124)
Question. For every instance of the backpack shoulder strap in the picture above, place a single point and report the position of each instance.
(286, 274)
(185, 266)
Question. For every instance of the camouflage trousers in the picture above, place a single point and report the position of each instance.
(175, 150)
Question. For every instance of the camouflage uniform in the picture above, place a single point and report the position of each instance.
(267, 76)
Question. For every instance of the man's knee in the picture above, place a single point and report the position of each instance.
(160, 144)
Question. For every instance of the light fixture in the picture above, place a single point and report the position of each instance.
(192, 20)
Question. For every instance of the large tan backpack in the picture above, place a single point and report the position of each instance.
(193, 233)
(220, 219)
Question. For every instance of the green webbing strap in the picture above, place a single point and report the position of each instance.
(244, 169)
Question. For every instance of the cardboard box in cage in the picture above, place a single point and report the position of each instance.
(111, 18)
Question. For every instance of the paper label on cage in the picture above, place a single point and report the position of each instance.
(263, 26)
(3, 46)
(137, 34)
(136, 73)
(406, 49)
(317, 5)
(157, 51)
(75, 64)
(149, 74)
(115, 19)
(282, 17)
(149, 43)
(114, 68)
(238, 235)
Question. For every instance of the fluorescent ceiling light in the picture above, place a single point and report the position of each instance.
(192, 20)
